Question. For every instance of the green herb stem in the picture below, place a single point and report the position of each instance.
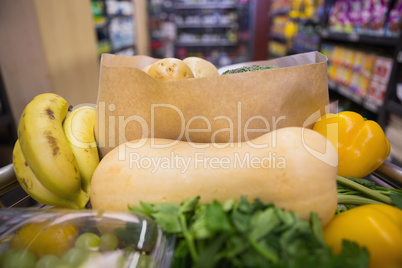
(266, 254)
(189, 239)
(349, 192)
(356, 200)
(369, 192)
(387, 191)
(384, 192)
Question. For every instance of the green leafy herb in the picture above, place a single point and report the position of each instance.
(247, 234)
(164, 214)
(396, 199)
(246, 69)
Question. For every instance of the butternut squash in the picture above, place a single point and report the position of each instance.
(293, 167)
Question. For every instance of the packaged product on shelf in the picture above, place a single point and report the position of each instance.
(359, 84)
(349, 58)
(339, 55)
(368, 64)
(229, 18)
(382, 70)
(119, 7)
(354, 82)
(121, 32)
(278, 25)
(328, 50)
(97, 8)
(378, 17)
(338, 16)
(231, 36)
(290, 30)
(353, 69)
(376, 92)
(332, 71)
(276, 49)
(281, 6)
(311, 9)
(365, 16)
(97, 13)
(306, 39)
(393, 25)
(358, 61)
(347, 76)
(306, 9)
(354, 14)
(210, 19)
(379, 82)
(295, 9)
(364, 84)
(104, 47)
(343, 75)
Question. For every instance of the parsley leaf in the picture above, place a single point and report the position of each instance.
(396, 199)
(164, 214)
(248, 234)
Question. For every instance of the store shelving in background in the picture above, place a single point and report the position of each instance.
(294, 27)
(115, 26)
(218, 31)
(215, 30)
(359, 75)
(390, 113)
(371, 29)
(362, 42)
(158, 13)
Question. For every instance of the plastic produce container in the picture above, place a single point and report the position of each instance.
(31, 237)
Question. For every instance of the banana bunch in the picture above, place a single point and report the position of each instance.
(56, 153)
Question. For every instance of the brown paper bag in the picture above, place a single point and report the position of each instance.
(223, 109)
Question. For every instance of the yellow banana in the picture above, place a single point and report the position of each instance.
(79, 130)
(35, 189)
(46, 148)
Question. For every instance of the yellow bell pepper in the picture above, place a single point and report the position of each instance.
(361, 144)
(378, 227)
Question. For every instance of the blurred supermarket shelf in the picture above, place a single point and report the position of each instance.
(359, 38)
(206, 25)
(115, 26)
(206, 44)
(347, 92)
(210, 5)
(368, 68)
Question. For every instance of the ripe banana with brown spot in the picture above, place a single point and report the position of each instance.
(46, 148)
(79, 130)
(35, 189)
